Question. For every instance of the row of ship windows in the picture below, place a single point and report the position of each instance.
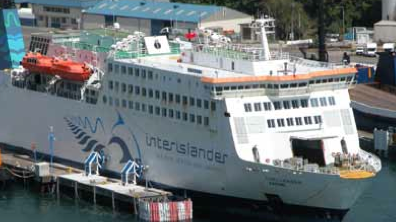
(163, 96)
(297, 121)
(219, 89)
(158, 111)
(287, 104)
(114, 68)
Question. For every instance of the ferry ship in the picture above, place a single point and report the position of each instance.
(261, 130)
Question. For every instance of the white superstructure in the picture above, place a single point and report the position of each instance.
(217, 118)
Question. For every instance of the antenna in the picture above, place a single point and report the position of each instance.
(263, 24)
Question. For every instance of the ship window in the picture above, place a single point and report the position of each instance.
(281, 122)
(206, 121)
(143, 73)
(130, 71)
(123, 87)
(267, 106)
(257, 107)
(164, 96)
(342, 79)
(116, 86)
(213, 106)
(295, 104)
(150, 109)
(290, 121)
(314, 102)
(104, 99)
(185, 101)
(302, 84)
(318, 119)
(199, 103)
(293, 85)
(332, 101)
(171, 113)
(323, 101)
(164, 112)
(157, 94)
(123, 69)
(144, 91)
(117, 102)
(233, 65)
(137, 90)
(177, 98)
(157, 111)
(130, 104)
(116, 68)
(137, 106)
(284, 86)
(192, 118)
(151, 93)
(199, 120)
(144, 107)
(318, 81)
(150, 74)
(304, 103)
(299, 121)
(248, 107)
(110, 67)
(170, 97)
(286, 104)
(137, 72)
(124, 103)
(130, 89)
(349, 79)
(307, 120)
(110, 85)
(277, 105)
(324, 80)
(271, 123)
(178, 115)
(110, 101)
(185, 116)
(206, 104)
(192, 101)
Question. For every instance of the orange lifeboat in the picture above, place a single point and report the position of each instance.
(35, 62)
(65, 68)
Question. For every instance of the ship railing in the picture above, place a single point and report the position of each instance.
(138, 52)
(281, 91)
(316, 64)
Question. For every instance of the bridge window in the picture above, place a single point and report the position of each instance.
(286, 104)
(267, 106)
(307, 120)
(323, 101)
(206, 104)
(130, 71)
(130, 104)
(304, 103)
(199, 119)
(271, 123)
(299, 121)
(257, 107)
(248, 107)
(290, 121)
(199, 103)
(178, 116)
(295, 104)
(151, 109)
(277, 105)
(314, 102)
(170, 97)
(281, 122)
(332, 101)
(318, 119)
(171, 113)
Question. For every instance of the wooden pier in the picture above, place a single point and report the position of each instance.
(64, 179)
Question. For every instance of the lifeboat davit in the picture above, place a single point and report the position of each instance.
(65, 68)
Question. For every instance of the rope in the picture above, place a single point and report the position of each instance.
(19, 176)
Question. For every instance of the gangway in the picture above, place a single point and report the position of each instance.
(131, 167)
(92, 164)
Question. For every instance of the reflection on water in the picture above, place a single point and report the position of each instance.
(377, 204)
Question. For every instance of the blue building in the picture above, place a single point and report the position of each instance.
(151, 16)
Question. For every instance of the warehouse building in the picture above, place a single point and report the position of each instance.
(150, 17)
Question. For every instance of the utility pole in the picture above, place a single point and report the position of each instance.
(321, 32)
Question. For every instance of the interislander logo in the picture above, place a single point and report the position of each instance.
(84, 128)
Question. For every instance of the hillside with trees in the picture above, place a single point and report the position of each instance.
(302, 14)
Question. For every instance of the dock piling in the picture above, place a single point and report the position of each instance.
(76, 190)
(113, 200)
(94, 194)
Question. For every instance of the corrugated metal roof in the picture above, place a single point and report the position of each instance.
(65, 3)
(154, 10)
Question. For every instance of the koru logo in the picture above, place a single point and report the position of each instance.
(157, 44)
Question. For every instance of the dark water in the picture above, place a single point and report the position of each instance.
(377, 204)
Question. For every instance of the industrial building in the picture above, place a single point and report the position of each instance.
(150, 17)
(385, 30)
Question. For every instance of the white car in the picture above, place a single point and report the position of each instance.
(359, 50)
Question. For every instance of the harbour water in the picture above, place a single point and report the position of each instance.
(19, 205)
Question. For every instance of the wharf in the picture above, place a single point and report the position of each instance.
(62, 179)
